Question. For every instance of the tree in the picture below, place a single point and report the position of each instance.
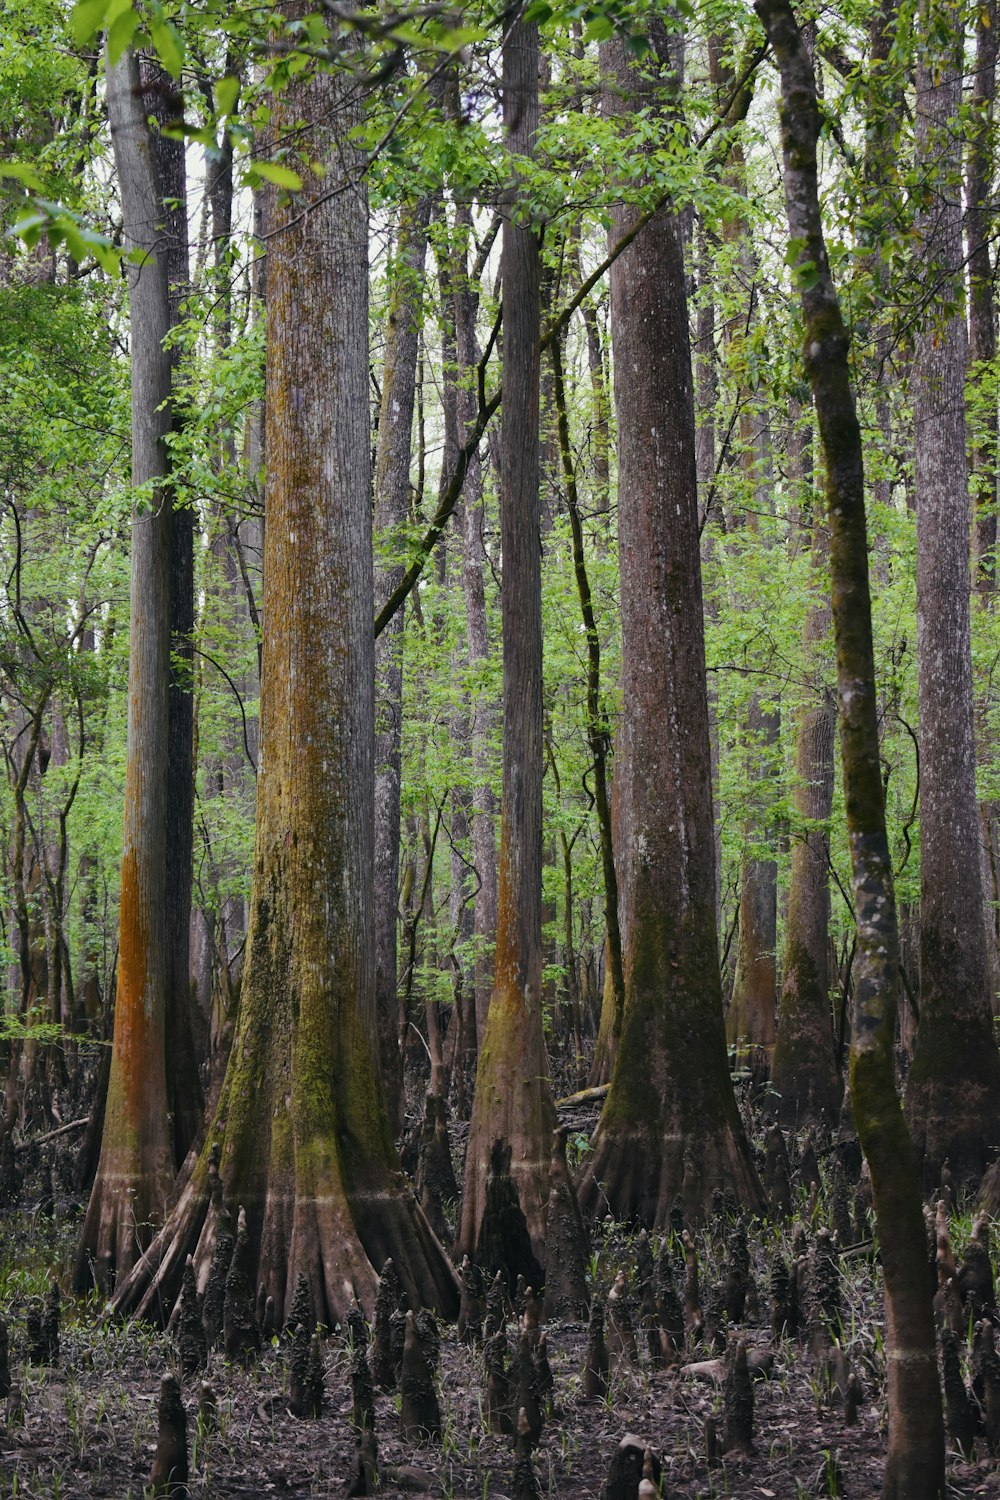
(512, 1104)
(302, 1133)
(670, 1124)
(805, 1073)
(392, 480)
(482, 713)
(183, 1083)
(915, 1460)
(953, 1090)
(136, 1168)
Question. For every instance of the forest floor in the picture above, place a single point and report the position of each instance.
(86, 1425)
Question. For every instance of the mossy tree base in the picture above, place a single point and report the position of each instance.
(305, 1146)
(670, 1126)
(512, 1106)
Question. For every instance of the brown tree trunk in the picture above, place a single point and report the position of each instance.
(136, 1168)
(392, 485)
(512, 1102)
(915, 1460)
(953, 1090)
(805, 1072)
(670, 1124)
(301, 1129)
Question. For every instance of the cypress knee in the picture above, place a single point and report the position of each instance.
(170, 1465)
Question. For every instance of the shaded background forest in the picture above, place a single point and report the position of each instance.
(67, 501)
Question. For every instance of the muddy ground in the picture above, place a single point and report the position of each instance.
(86, 1425)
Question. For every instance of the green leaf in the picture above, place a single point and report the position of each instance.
(600, 29)
(282, 177)
(806, 275)
(169, 47)
(23, 173)
(227, 91)
(87, 20)
(74, 241)
(28, 227)
(121, 32)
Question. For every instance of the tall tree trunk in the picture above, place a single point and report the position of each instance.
(513, 1104)
(598, 737)
(953, 1090)
(670, 1124)
(392, 485)
(805, 1073)
(915, 1460)
(482, 716)
(302, 1132)
(136, 1168)
(184, 1091)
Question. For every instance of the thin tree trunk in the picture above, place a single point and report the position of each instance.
(750, 1019)
(513, 1103)
(482, 715)
(805, 1073)
(392, 493)
(598, 735)
(915, 1460)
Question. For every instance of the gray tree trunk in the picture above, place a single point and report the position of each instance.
(805, 1073)
(482, 715)
(392, 482)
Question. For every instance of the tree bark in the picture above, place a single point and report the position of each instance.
(136, 1167)
(513, 1103)
(670, 1124)
(184, 1091)
(953, 1090)
(915, 1460)
(982, 352)
(982, 302)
